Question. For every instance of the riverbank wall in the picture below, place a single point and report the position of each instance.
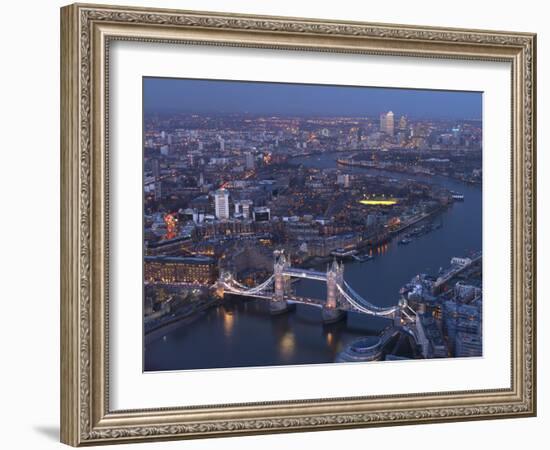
(171, 324)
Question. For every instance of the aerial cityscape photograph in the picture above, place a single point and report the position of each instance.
(291, 224)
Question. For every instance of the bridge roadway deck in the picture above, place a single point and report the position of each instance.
(303, 273)
(262, 296)
(316, 302)
(342, 306)
(306, 301)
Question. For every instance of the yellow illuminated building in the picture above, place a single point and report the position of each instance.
(378, 201)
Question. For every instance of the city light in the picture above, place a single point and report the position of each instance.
(378, 202)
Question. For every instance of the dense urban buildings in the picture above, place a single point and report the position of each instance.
(224, 192)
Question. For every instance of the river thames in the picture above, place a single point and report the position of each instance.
(242, 333)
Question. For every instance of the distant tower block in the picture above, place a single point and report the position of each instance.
(246, 206)
(221, 204)
(390, 123)
(278, 304)
(403, 123)
(387, 123)
(335, 279)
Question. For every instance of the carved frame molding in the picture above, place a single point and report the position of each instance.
(86, 31)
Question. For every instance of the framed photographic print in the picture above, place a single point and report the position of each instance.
(275, 224)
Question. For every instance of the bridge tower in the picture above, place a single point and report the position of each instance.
(281, 283)
(218, 289)
(335, 279)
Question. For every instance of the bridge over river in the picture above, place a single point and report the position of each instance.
(340, 297)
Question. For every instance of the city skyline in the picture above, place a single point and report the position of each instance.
(279, 239)
(198, 96)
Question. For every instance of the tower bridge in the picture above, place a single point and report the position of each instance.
(340, 297)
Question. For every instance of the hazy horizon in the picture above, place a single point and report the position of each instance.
(196, 96)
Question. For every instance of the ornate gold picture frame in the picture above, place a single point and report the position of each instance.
(87, 31)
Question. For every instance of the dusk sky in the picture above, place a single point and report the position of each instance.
(212, 96)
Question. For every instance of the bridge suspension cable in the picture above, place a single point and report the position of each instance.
(235, 286)
(363, 305)
(236, 290)
(407, 316)
(411, 310)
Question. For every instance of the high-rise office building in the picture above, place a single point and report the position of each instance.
(402, 123)
(387, 123)
(242, 208)
(221, 204)
(245, 208)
